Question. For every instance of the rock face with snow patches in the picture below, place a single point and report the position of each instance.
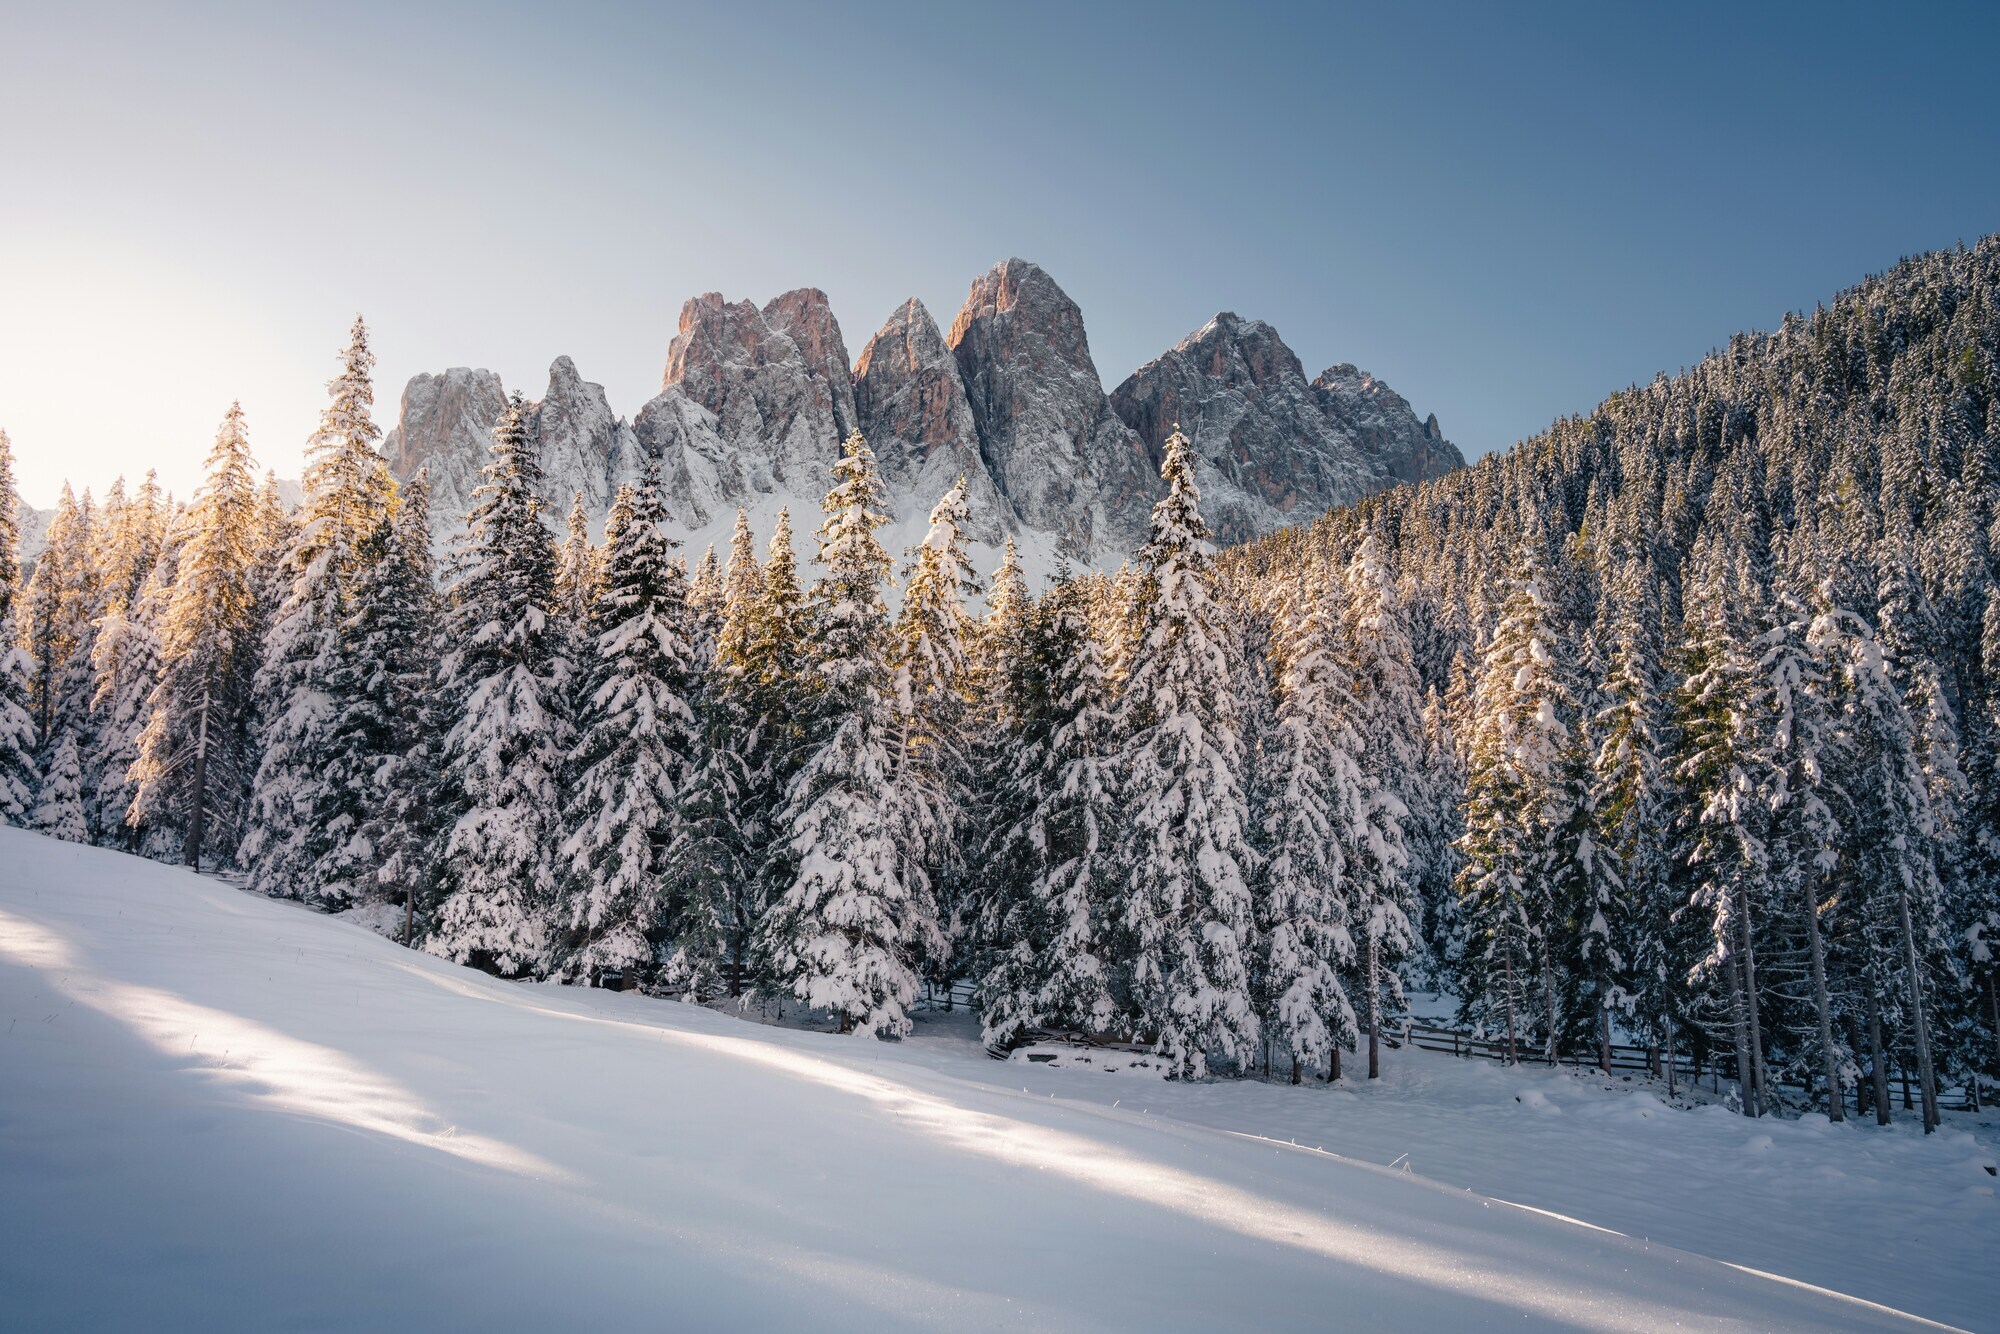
(584, 447)
(446, 425)
(1382, 422)
(1056, 451)
(756, 400)
(1273, 448)
(913, 410)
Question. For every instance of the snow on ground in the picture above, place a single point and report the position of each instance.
(220, 1112)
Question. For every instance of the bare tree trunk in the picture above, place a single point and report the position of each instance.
(1993, 998)
(1549, 1000)
(1374, 1005)
(1824, 1007)
(1295, 1068)
(1333, 1066)
(1513, 1056)
(1878, 1075)
(409, 913)
(1919, 1024)
(197, 829)
(1603, 1033)
(1750, 1000)
(1739, 1031)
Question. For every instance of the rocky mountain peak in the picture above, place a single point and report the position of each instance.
(914, 411)
(1056, 451)
(776, 379)
(1266, 453)
(1383, 424)
(445, 423)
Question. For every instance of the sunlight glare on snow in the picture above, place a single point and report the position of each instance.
(279, 1071)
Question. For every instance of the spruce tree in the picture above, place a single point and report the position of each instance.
(394, 741)
(1050, 865)
(195, 753)
(1516, 810)
(301, 810)
(1184, 915)
(1314, 809)
(634, 746)
(507, 730)
(59, 805)
(933, 681)
(855, 914)
(17, 723)
(719, 826)
(1387, 726)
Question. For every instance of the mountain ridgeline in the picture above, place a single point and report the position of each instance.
(755, 403)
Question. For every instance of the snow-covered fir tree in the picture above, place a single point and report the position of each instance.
(1315, 802)
(635, 742)
(1387, 726)
(1050, 864)
(391, 741)
(507, 729)
(855, 915)
(18, 777)
(195, 756)
(301, 810)
(719, 825)
(933, 679)
(1517, 807)
(1183, 912)
(59, 805)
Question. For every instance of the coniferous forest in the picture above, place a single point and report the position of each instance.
(1678, 724)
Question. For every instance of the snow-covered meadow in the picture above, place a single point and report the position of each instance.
(222, 1112)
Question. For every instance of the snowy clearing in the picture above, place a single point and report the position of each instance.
(220, 1111)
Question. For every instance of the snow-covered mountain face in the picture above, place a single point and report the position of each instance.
(755, 402)
(1056, 451)
(1271, 448)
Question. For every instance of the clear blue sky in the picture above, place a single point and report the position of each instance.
(1505, 211)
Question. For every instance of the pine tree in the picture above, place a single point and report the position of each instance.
(1184, 916)
(377, 693)
(855, 914)
(1721, 832)
(1516, 810)
(17, 723)
(1633, 803)
(635, 739)
(1051, 863)
(394, 627)
(194, 754)
(59, 805)
(507, 730)
(719, 824)
(932, 673)
(302, 811)
(1890, 838)
(58, 606)
(1387, 724)
(1315, 804)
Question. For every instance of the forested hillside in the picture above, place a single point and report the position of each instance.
(1719, 669)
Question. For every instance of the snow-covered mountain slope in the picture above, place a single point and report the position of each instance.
(220, 1111)
(755, 401)
(1273, 449)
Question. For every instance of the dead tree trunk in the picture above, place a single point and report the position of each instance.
(1756, 1027)
(1374, 1005)
(1920, 1026)
(1878, 1074)
(1820, 1002)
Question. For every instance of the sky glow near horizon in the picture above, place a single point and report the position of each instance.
(1504, 215)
